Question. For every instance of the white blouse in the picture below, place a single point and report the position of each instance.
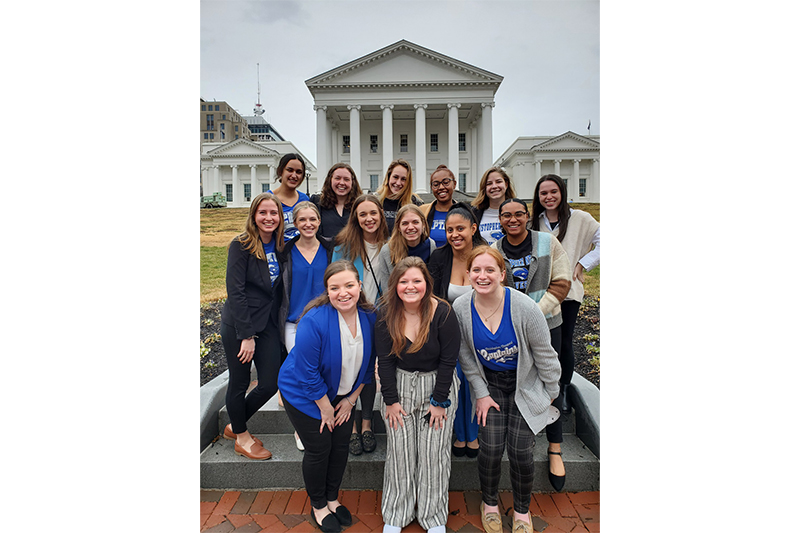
(352, 354)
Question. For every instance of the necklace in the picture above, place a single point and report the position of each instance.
(486, 319)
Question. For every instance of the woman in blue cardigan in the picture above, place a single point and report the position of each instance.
(321, 379)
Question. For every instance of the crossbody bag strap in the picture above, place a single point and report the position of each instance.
(372, 271)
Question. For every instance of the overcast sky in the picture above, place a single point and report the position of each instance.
(547, 51)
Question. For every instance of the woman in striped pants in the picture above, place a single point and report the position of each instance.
(417, 340)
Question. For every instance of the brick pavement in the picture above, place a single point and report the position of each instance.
(286, 510)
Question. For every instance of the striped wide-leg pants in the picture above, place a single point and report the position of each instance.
(417, 456)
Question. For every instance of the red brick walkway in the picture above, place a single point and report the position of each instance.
(279, 511)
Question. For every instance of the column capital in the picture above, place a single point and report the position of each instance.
(234, 166)
(537, 161)
(423, 106)
(387, 106)
(487, 104)
(253, 166)
(356, 106)
(576, 160)
(318, 107)
(557, 160)
(595, 159)
(453, 105)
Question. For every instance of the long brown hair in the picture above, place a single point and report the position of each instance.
(481, 201)
(334, 268)
(563, 207)
(327, 199)
(405, 195)
(391, 307)
(250, 238)
(351, 237)
(398, 246)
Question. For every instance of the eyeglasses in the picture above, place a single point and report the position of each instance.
(445, 182)
(518, 214)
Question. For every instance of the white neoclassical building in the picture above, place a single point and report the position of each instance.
(576, 158)
(243, 169)
(405, 101)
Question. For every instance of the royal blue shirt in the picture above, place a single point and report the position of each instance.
(272, 259)
(499, 350)
(289, 230)
(438, 233)
(307, 280)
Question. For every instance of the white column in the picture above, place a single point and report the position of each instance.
(204, 180)
(218, 181)
(595, 181)
(557, 167)
(537, 171)
(475, 168)
(452, 138)
(388, 141)
(486, 137)
(420, 154)
(323, 163)
(334, 151)
(254, 189)
(237, 193)
(272, 177)
(572, 189)
(355, 138)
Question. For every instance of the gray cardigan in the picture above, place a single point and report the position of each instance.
(538, 369)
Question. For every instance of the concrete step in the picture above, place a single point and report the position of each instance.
(222, 469)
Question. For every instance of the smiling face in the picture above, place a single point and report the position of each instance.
(549, 195)
(485, 275)
(343, 290)
(513, 218)
(307, 222)
(369, 217)
(411, 228)
(267, 217)
(495, 186)
(442, 186)
(341, 182)
(459, 232)
(293, 174)
(397, 179)
(411, 287)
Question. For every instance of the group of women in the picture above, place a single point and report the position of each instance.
(463, 314)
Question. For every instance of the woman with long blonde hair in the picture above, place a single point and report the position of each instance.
(396, 190)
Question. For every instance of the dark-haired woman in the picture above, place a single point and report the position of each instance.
(320, 381)
(339, 191)
(417, 340)
(537, 265)
(291, 173)
(579, 235)
(360, 242)
(306, 257)
(249, 329)
(494, 188)
(443, 185)
(396, 190)
(448, 267)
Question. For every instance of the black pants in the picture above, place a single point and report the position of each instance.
(554, 431)
(325, 458)
(267, 358)
(566, 356)
(367, 398)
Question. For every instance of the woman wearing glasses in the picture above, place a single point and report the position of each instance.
(443, 185)
(537, 265)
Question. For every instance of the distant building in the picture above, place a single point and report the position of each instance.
(573, 157)
(219, 122)
(261, 130)
(242, 169)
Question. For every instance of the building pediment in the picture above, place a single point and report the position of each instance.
(403, 64)
(241, 147)
(568, 141)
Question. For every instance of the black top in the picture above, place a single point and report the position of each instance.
(440, 266)
(519, 257)
(390, 208)
(439, 353)
(330, 223)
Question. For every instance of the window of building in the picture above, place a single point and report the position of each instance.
(216, 108)
(434, 142)
(209, 122)
(223, 117)
(205, 135)
(222, 135)
(462, 181)
(265, 187)
(203, 107)
(235, 127)
(229, 192)
(373, 144)
(222, 125)
(462, 142)
(246, 192)
(403, 142)
(212, 136)
(373, 182)
(345, 144)
(582, 187)
(236, 137)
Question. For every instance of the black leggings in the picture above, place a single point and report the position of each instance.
(554, 431)
(569, 312)
(325, 457)
(267, 358)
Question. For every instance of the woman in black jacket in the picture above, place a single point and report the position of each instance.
(249, 326)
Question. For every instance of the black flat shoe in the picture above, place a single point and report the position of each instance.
(472, 453)
(329, 524)
(556, 481)
(355, 444)
(460, 452)
(368, 442)
(343, 516)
